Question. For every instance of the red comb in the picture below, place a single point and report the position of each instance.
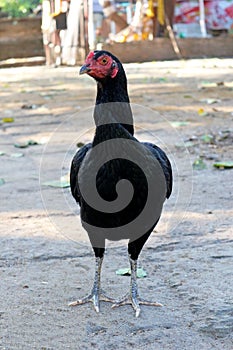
(90, 55)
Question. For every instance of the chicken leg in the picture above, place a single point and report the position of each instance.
(97, 293)
(133, 297)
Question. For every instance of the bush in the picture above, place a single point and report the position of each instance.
(18, 8)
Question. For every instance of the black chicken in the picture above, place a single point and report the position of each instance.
(130, 177)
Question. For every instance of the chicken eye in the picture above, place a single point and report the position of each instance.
(104, 61)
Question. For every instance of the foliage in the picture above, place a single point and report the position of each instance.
(18, 8)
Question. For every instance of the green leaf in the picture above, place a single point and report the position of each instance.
(207, 84)
(187, 144)
(32, 143)
(17, 155)
(2, 181)
(177, 124)
(2, 153)
(123, 272)
(126, 272)
(25, 144)
(57, 183)
(210, 101)
(17, 8)
(207, 138)
(80, 144)
(28, 106)
(8, 120)
(198, 164)
(141, 273)
(161, 80)
(223, 165)
(21, 145)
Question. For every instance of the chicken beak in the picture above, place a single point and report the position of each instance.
(84, 69)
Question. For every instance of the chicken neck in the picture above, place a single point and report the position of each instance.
(113, 105)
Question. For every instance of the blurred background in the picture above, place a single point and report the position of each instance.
(59, 32)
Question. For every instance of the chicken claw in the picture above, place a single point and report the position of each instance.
(97, 294)
(132, 297)
(95, 297)
(135, 301)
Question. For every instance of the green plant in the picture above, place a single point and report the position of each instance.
(18, 8)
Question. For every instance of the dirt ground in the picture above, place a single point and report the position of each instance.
(46, 260)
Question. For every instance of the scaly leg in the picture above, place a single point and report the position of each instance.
(132, 297)
(96, 294)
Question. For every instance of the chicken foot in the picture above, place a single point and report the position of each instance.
(97, 294)
(133, 297)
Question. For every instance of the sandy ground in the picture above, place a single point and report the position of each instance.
(46, 260)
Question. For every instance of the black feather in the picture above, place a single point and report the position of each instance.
(115, 121)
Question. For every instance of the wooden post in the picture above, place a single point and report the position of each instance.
(202, 18)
